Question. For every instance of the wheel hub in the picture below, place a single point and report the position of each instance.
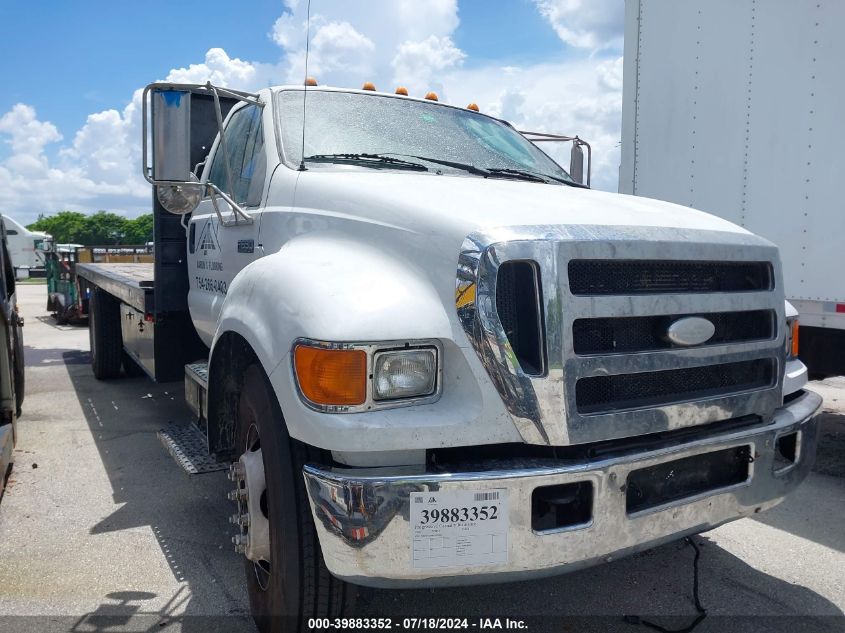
(253, 538)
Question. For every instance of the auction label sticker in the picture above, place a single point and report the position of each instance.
(459, 528)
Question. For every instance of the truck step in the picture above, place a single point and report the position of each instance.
(196, 391)
(187, 445)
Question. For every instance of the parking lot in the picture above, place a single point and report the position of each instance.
(102, 530)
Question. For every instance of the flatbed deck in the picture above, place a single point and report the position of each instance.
(131, 283)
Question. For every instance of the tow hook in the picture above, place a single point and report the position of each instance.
(253, 538)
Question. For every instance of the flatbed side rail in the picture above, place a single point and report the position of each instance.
(131, 283)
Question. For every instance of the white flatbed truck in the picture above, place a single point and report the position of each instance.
(434, 357)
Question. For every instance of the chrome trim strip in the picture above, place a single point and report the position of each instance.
(679, 358)
(653, 305)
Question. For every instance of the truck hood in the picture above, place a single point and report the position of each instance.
(456, 206)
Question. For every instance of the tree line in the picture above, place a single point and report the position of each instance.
(98, 229)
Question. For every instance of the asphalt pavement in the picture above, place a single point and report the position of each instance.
(101, 530)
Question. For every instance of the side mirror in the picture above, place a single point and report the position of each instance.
(171, 134)
(576, 163)
(170, 115)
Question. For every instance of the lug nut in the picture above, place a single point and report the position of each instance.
(240, 541)
(239, 519)
(237, 494)
(236, 471)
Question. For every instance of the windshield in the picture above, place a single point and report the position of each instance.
(354, 123)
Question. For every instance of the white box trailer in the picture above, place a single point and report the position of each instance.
(737, 108)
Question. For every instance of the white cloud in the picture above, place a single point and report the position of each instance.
(390, 42)
(219, 69)
(27, 135)
(587, 24)
(336, 49)
(371, 41)
(416, 64)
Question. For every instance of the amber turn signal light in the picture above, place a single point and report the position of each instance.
(795, 339)
(331, 377)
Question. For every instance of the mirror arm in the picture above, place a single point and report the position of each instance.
(239, 215)
(219, 114)
(249, 97)
(540, 137)
(196, 171)
(146, 168)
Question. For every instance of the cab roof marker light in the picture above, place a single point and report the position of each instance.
(402, 90)
(369, 85)
(431, 96)
(310, 81)
(473, 107)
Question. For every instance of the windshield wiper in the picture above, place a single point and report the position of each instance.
(472, 169)
(493, 172)
(533, 176)
(516, 173)
(367, 159)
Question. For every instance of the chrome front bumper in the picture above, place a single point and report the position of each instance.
(362, 515)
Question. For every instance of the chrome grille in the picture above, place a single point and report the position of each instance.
(609, 371)
(614, 277)
(599, 394)
(642, 334)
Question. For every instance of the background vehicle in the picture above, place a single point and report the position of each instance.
(433, 356)
(11, 360)
(24, 247)
(735, 108)
(63, 297)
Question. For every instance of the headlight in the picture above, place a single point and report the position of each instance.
(792, 338)
(404, 374)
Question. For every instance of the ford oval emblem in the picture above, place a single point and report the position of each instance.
(690, 331)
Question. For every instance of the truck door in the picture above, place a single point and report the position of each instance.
(217, 253)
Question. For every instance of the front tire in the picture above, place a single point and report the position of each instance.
(104, 335)
(295, 585)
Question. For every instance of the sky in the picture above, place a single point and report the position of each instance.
(73, 74)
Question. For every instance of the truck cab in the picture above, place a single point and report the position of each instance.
(435, 357)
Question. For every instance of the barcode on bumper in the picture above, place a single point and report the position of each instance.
(487, 496)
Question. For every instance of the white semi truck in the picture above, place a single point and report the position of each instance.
(433, 357)
(735, 107)
(24, 247)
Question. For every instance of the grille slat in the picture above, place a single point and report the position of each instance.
(591, 277)
(641, 334)
(597, 394)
